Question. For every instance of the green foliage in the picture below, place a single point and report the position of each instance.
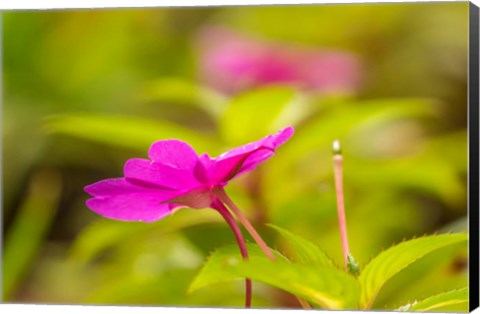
(214, 269)
(129, 132)
(320, 283)
(108, 83)
(390, 262)
(360, 125)
(324, 286)
(441, 301)
(353, 117)
(184, 92)
(305, 251)
(441, 270)
(103, 234)
(276, 107)
(23, 241)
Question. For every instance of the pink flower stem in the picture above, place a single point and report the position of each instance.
(220, 192)
(338, 173)
(241, 244)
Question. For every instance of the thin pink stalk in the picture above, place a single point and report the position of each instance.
(338, 173)
(241, 244)
(220, 192)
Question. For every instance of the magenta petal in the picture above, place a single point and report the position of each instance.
(122, 200)
(254, 159)
(110, 187)
(153, 174)
(145, 207)
(176, 177)
(247, 157)
(200, 171)
(173, 153)
(281, 137)
(270, 142)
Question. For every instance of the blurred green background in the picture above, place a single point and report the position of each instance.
(86, 90)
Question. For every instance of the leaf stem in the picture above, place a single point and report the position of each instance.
(241, 244)
(220, 192)
(338, 173)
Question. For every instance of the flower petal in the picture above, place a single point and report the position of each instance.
(198, 198)
(153, 174)
(254, 159)
(119, 199)
(246, 157)
(173, 153)
(146, 207)
(110, 187)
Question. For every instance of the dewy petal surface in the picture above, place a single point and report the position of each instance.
(247, 157)
(173, 153)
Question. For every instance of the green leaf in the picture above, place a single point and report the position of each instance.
(440, 301)
(272, 107)
(390, 262)
(325, 286)
(129, 132)
(213, 271)
(439, 271)
(184, 92)
(306, 251)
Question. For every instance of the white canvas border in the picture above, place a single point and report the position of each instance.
(58, 4)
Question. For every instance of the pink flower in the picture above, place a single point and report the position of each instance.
(175, 176)
(232, 62)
